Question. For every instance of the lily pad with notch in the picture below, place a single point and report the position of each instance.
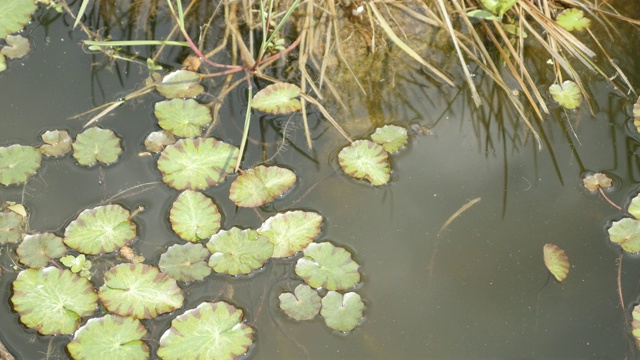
(110, 337)
(342, 312)
(302, 304)
(626, 232)
(36, 250)
(595, 181)
(237, 251)
(194, 216)
(17, 47)
(327, 266)
(573, 19)
(364, 159)
(260, 185)
(291, 231)
(182, 117)
(12, 227)
(18, 163)
(100, 230)
(634, 207)
(180, 84)
(57, 143)
(96, 145)
(568, 94)
(157, 140)
(278, 98)
(186, 262)
(391, 137)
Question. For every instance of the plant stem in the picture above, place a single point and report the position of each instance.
(609, 201)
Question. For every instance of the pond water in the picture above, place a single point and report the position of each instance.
(471, 291)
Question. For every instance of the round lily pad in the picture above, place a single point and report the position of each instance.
(194, 216)
(157, 140)
(196, 163)
(260, 185)
(626, 232)
(18, 163)
(185, 262)
(278, 98)
(110, 337)
(140, 291)
(303, 305)
(291, 231)
(11, 227)
(100, 230)
(568, 94)
(364, 159)
(17, 47)
(96, 145)
(634, 207)
(595, 181)
(15, 15)
(327, 266)
(180, 84)
(236, 251)
(182, 117)
(391, 137)
(52, 301)
(38, 249)
(57, 143)
(342, 312)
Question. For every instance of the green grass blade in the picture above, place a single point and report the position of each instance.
(83, 7)
(245, 131)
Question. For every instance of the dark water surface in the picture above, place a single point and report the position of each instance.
(476, 297)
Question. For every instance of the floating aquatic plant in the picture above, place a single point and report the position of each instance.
(626, 233)
(36, 250)
(342, 312)
(100, 230)
(291, 231)
(194, 216)
(180, 84)
(568, 94)
(182, 117)
(573, 19)
(17, 47)
(15, 15)
(278, 98)
(18, 163)
(556, 261)
(327, 266)
(12, 227)
(302, 304)
(157, 140)
(96, 145)
(78, 265)
(236, 251)
(364, 159)
(110, 337)
(57, 143)
(186, 262)
(260, 185)
(391, 137)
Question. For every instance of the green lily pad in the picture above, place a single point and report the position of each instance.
(110, 337)
(556, 261)
(140, 291)
(342, 312)
(260, 185)
(364, 159)
(17, 47)
(391, 137)
(595, 181)
(327, 266)
(157, 140)
(194, 216)
(635, 324)
(100, 230)
(182, 117)
(567, 95)
(12, 227)
(96, 145)
(573, 19)
(38, 249)
(57, 143)
(634, 207)
(15, 15)
(180, 84)
(304, 305)
(498, 7)
(52, 301)
(185, 262)
(278, 98)
(626, 232)
(291, 231)
(210, 331)
(18, 163)
(196, 163)
(236, 251)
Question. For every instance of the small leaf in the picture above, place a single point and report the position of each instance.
(260, 185)
(567, 95)
(185, 262)
(110, 337)
(17, 47)
(391, 137)
(15, 15)
(498, 7)
(237, 251)
(180, 84)
(194, 216)
(210, 331)
(157, 140)
(364, 159)
(96, 145)
(18, 163)
(556, 261)
(483, 15)
(278, 98)
(634, 207)
(342, 312)
(38, 249)
(100, 230)
(182, 117)
(626, 232)
(57, 143)
(11, 227)
(595, 181)
(140, 291)
(327, 266)
(304, 305)
(291, 231)
(573, 19)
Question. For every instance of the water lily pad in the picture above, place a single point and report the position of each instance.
(157, 140)
(15, 15)
(236, 251)
(556, 261)
(291, 231)
(182, 117)
(260, 185)
(626, 232)
(196, 163)
(37, 250)
(573, 19)
(635, 324)
(17, 47)
(110, 337)
(342, 312)
(304, 305)
(57, 143)
(634, 207)
(18, 163)
(210, 331)
(52, 301)
(100, 230)
(11, 227)
(140, 291)
(391, 137)
(364, 159)
(180, 84)
(96, 145)
(327, 266)
(498, 7)
(595, 181)
(194, 216)
(278, 98)
(185, 262)
(568, 94)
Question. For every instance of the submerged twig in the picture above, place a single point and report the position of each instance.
(464, 208)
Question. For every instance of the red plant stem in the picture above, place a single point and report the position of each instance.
(273, 57)
(195, 49)
(609, 201)
(620, 286)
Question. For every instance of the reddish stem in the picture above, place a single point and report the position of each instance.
(609, 201)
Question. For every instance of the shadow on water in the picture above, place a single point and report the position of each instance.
(477, 297)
